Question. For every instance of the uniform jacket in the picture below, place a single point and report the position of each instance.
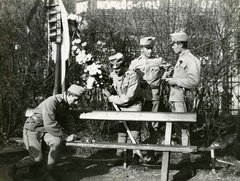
(187, 73)
(53, 116)
(127, 88)
(148, 71)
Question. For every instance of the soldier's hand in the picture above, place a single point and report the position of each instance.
(106, 93)
(165, 75)
(171, 81)
(71, 137)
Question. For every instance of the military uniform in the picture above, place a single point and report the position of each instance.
(128, 98)
(186, 76)
(52, 122)
(148, 70)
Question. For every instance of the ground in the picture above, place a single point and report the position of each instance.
(89, 164)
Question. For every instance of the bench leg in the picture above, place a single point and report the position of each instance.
(125, 159)
(213, 160)
(166, 155)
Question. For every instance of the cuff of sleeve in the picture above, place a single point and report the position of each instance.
(112, 99)
(64, 136)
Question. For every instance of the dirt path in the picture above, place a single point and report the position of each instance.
(75, 168)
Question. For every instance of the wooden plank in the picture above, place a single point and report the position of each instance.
(173, 148)
(133, 116)
(166, 154)
(16, 140)
(130, 146)
(140, 116)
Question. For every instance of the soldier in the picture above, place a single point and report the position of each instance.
(186, 76)
(127, 86)
(52, 123)
(148, 69)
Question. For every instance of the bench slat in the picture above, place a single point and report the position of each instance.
(140, 116)
(130, 146)
(133, 116)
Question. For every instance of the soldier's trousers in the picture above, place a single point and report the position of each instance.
(133, 126)
(33, 142)
(153, 127)
(182, 129)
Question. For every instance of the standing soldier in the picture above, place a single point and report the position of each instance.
(52, 123)
(186, 76)
(148, 69)
(127, 86)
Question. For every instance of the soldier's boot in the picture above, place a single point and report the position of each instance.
(185, 172)
(10, 172)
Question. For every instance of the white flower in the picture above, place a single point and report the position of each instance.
(81, 57)
(78, 51)
(94, 69)
(72, 17)
(88, 57)
(79, 19)
(76, 41)
(74, 48)
(90, 82)
(99, 42)
(84, 44)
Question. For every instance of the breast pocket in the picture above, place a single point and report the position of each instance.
(182, 64)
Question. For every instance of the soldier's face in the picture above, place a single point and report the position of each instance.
(177, 47)
(147, 52)
(72, 99)
(119, 71)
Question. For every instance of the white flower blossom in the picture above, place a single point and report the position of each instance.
(81, 57)
(94, 69)
(84, 44)
(74, 48)
(72, 17)
(88, 57)
(90, 82)
(78, 51)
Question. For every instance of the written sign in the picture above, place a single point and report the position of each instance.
(127, 4)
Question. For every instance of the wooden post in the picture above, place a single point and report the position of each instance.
(57, 80)
(166, 154)
(237, 145)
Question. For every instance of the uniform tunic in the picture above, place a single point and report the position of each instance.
(127, 88)
(187, 74)
(148, 71)
(53, 116)
(128, 98)
(50, 122)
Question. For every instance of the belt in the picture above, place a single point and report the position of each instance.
(154, 86)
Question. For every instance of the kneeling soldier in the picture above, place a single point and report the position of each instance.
(52, 123)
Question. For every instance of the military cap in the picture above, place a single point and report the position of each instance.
(116, 60)
(76, 89)
(181, 36)
(147, 42)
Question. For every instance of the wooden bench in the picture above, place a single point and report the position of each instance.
(167, 117)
